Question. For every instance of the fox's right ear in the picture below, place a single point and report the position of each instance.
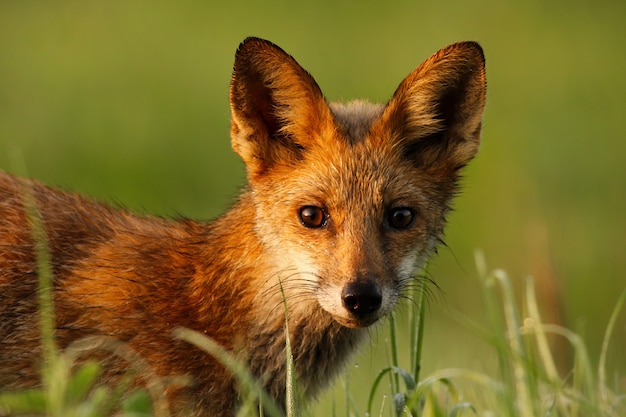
(278, 109)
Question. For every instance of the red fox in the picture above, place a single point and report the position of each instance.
(343, 203)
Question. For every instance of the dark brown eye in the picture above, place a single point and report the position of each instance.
(400, 218)
(312, 217)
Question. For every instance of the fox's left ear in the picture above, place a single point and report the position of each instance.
(436, 112)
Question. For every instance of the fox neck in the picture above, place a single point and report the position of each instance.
(238, 263)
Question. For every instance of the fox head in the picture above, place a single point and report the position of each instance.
(350, 199)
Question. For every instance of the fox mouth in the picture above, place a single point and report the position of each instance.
(354, 322)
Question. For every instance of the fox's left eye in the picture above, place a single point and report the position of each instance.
(312, 217)
(400, 218)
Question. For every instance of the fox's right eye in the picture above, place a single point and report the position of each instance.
(401, 218)
(312, 217)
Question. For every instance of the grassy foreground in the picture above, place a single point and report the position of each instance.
(528, 383)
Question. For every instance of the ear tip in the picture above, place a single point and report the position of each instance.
(247, 44)
(245, 53)
(477, 48)
(252, 40)
(254, 43)
(469, 48)
(253, 49)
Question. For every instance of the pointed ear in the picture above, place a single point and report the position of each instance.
(277, 108)
(436, 112)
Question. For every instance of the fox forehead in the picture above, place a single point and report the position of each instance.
(356, 118)
(354, 171)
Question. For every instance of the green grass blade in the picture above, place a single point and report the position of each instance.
(370, 401)
(254, 391)
(49, 365)
(417, 327)
(542, 340)
(291, 404)
(603, 392)
(394, 352)
(32, 401)
(82, 382)
(458, 409)
(138, 366)
(523, 392)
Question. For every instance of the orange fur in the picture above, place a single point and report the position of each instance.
(344, 202)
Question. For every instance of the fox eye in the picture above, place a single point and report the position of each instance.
(312, 217)
(400, 218)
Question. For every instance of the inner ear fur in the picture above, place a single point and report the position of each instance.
(277, 108)
(436, 112)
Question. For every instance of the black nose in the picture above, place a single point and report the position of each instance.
(361, 297)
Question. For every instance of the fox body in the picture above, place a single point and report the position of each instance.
(343, 203)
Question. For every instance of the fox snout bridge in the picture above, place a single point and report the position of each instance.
(361, 298)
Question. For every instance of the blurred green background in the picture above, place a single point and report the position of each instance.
(127, 101)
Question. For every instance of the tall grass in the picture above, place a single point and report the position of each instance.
(527, 383)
